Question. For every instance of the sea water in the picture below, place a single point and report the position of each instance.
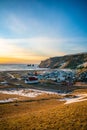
(14, 67)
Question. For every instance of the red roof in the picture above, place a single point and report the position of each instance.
(33, 78)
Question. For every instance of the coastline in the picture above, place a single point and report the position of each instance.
(15, 79)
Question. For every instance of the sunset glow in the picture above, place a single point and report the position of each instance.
(31, 31)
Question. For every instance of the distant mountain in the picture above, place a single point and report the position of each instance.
(68, 61)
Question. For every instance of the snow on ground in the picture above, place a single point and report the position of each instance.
(78, 98)
(84, 64)
(34, 93)
(8, 100)
(26, 92)
(12, 76)
(63, 65)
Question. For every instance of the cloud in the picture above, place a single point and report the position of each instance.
(19, 24)
(40, 48)
(12, 48)
(15, 24)
(24, 25)
(47, 46)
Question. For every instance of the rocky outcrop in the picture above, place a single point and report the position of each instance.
(67, 61)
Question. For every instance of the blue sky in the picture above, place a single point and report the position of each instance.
(37, 29)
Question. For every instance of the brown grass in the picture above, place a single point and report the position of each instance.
(45, 112)
(43, 115)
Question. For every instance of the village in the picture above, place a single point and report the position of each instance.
(33, 83)
(61, 80)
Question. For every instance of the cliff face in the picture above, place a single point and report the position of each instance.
(67, 61)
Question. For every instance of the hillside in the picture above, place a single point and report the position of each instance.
(67, 61)
(44, 114)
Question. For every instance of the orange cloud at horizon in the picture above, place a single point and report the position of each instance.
(9, 60)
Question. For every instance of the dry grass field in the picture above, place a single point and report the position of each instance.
(44, 112)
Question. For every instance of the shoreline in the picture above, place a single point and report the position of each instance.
(40, 69)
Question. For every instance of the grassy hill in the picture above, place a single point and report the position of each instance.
(67, 61)
(47, 114)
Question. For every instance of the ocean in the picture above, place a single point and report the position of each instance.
(14, 67)
(19, 67)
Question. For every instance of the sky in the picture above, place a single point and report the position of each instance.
(34, 30)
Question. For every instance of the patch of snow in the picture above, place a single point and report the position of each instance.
(12, 76)
(78, 98)
(4, 82)
(63, 64)
(84, 65)
(8, 100)
(27, 92)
